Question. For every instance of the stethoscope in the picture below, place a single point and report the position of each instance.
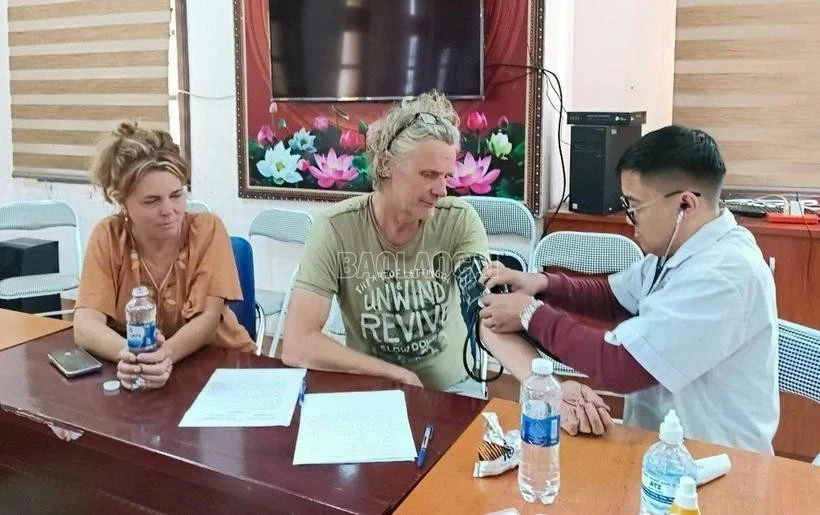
(662, 261)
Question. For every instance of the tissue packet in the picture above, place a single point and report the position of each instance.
(500, 451)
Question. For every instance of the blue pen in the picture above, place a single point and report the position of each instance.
(303, 391)
(428, 435)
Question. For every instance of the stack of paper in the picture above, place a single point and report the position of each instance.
(250, 397)
(354, 427)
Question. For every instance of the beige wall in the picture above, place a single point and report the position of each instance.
(612, 55)
(748, 72)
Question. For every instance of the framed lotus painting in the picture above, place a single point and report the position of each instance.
(312, 75)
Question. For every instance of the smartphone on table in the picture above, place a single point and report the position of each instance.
(74, 362)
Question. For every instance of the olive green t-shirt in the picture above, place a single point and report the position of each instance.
(399, 304)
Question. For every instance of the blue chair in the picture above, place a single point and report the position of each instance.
(247, 310)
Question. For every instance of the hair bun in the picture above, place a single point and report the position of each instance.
(126, 129)
(166, 142)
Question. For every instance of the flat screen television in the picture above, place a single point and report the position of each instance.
(376, 49)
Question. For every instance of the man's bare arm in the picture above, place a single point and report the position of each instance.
(306, 346)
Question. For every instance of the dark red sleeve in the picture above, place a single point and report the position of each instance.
(587, 296)
(610, 367)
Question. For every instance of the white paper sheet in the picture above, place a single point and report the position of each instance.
(250, 397)
(354, 427)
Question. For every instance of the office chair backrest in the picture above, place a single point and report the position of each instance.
(799, 360)
(196, 206)
(503, 216)
(585, 252)
(245, 309)
(506, 217)
(34, 215)
(31, 215)
(284, 225)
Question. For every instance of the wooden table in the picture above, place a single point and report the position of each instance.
(602, 475)
(130, 455)
(17, 328)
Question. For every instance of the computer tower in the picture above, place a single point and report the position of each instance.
(594, 186)
(30, 256)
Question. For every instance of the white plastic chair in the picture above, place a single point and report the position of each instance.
(280, 324)
(35, 215)
(799, 360)
(283, 226)
(334, 327)
(586, 253)
(510, 227)
(196, 206)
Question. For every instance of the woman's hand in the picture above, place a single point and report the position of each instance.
(127, 368)
(156, 366)
(147, 369)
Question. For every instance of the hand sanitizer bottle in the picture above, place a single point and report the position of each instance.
(663, 466)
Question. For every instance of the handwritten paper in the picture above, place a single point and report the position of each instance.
(250, 397)
(354, 427)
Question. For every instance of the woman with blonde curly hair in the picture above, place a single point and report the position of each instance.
(185, 260)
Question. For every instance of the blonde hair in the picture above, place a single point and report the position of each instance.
(129, 153)
(394, 126)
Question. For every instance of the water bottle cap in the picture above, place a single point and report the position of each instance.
(687, 496)
(671, 429)
(542, 366)
(111, 386)
(140, 291)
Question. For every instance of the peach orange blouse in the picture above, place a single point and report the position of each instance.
(205, 267)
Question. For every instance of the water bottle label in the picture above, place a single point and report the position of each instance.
(658, 490)
(141, 337)
(538, 427)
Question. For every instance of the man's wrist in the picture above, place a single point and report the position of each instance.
(543, 283)
(397, 373)
(528, 312)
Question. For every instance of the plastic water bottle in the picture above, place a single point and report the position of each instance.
(539, 472)
(663, 466)
(141, 321)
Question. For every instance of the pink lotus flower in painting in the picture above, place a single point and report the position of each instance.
(265, 136)
(332, 170)
(321, 123)
(303, 165)
(472, 175)
(476, 122)
(351, 141)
